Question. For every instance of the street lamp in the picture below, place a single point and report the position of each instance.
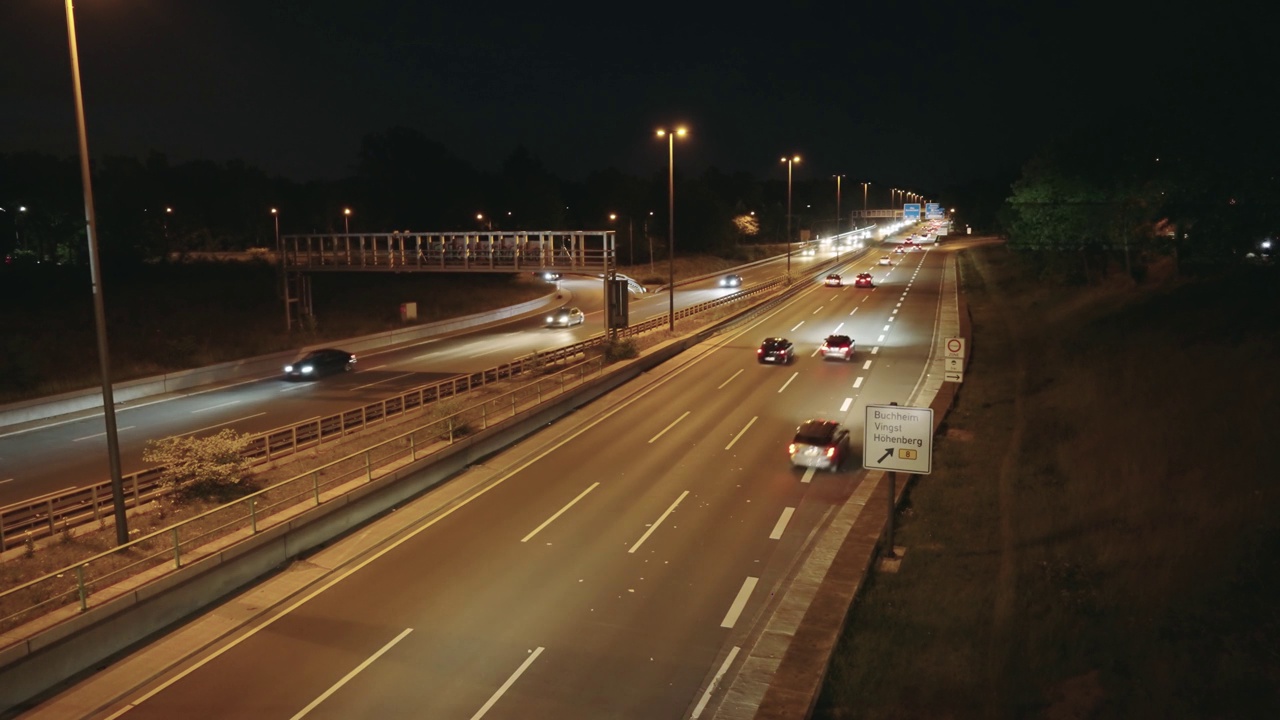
(346, 221)
(670, 135)
(650, 239)
(284, 283)
(864, 200)
(95, 279)
(631, 246)
(789, 161)
(838, 179)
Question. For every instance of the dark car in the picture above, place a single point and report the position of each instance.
(863, 280)
(776, 350)
(731, 281)
(837, 346)
(320, 362)
(819, 444)
(833, 280)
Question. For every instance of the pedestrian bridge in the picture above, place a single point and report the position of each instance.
(532, 251)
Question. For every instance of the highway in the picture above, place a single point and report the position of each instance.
(61, 454)
(613, 565)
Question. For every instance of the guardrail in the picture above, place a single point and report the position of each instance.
(45, 516)
(576, 250)
(91, 580)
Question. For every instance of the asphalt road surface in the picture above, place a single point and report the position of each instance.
(612, 566)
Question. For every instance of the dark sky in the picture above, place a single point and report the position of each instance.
(919, 94)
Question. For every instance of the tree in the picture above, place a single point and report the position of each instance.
(208, 466)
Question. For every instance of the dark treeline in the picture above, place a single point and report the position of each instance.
(149, 208)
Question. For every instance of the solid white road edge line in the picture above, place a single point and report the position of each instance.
(726, 382)
(215, 407)
(781, 525)
(90, 437)
(246, 417)
(560, 512)
(673, 424)
(742, 432)
(788, 382)
(658, 522)
(346, 678)
(744, 594)
(715, 682)
(507, 685)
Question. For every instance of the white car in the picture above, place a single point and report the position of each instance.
(886, 260)
(564, 317)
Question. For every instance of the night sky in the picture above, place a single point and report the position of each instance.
(920, 95)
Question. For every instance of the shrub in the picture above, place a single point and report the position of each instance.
(623, 349)
(207, 466)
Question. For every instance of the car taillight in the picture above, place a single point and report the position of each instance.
(791, 448)
(831, 451)
(759, 351)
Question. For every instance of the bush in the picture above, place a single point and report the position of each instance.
(623, 349)
(209, 466)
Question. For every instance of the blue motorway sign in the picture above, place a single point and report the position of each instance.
(911, 211)
(933, 211)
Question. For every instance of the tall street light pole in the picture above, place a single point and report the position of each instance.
(671, 221)
(284, 282)
(95, 277)
(789, 161)
(346, 221)
(838, 179)
(865, 185)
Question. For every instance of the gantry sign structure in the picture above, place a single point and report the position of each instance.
(559, 251)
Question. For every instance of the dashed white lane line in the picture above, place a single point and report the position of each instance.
(742, 432)
(560, 512)
(781, 526)
(853, 311)
(875, 350)
(844, 406)
(346, 678)
(833, 332)
(857, 383)
(880, 339)
(788, 382)
(797, 326)
(726, 382)
(885, 329)
(715, 682)
(215, 407)
(739, 602)
(246, 417)
(6, 480)
(507, 685)
(379, 382)
(104, 432)
(808, 475)
(293, 387)
(375, 367)
(866, 365)
(658, 522)
(673, 424)
(815, 312)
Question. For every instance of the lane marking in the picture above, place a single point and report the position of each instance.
(895, 312)
(726, 382)
(898, 305)
(5, 481)
(739, 602)
(833, 332)
(104, 432)
(375, 367)
(293, 387)
(246, 417)
(891, 318)
(788, 382)
(215, 407)
(741, 432)
(673, 424)
(857, 383)
(808, 475)
(561, 511)
(715, 682)
(781, 526)
(797, 325)
(815, 312)
(886, 329)
(866, 365)
(844, 406)
(816, 351)
(853, 311)
(397, 377)
(507, 685)
(355, 671)
(880, 339)
(67, 489)
(655, 525)
(875, 350)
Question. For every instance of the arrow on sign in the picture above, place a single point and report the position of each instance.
(886, 454)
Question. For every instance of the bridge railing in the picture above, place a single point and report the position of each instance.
(562, 250)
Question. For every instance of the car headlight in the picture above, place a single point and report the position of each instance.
(307, 369)
(550, 319)
(288, 368)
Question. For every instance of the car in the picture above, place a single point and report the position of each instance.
(900, 249)
(863, 280)
(808, 252)
(839, 347)
(833, 280)
(548, 275)
(776, 350)
(319, 362)
(564, 317)
(819, 444)
(731, 281)
(886, 260)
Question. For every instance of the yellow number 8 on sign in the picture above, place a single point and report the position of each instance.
(905, 454)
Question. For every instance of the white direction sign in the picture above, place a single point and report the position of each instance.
(953, 376)
(898, 438)
(953, 348)
(951, 365)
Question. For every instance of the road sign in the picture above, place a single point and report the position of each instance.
(911, 211)
(954, 348)
(953, 364)
(933, 211)
(898, 438)
(950, 376)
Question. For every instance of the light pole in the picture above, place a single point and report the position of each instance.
(838, 179)
(284, 283)
(649, 237)
(865, 185)
(631, 245)
(95, 278)
(346, 221)
(789, 161)
(670, 135)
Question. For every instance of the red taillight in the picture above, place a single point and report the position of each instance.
(759, 351)
(791, 448)
(831, 451)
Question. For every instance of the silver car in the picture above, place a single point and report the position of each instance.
(564, 317)
(821, 444)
